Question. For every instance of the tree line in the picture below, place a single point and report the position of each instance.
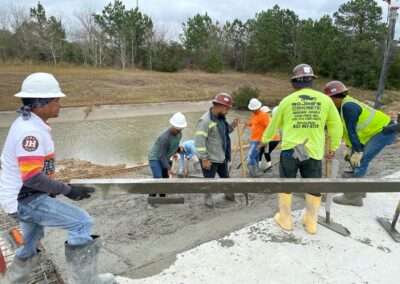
(348, 46)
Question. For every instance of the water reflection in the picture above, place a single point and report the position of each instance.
(116, 141)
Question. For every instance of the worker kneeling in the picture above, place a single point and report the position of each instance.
(302, 117)
(366, 131)
(28, 189)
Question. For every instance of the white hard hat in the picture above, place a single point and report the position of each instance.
(254, 104)
(40, 85)
(265, 109)
(274, 110)
(178, 120)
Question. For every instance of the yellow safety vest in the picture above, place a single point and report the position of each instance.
(370, 122)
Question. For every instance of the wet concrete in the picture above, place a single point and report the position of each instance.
(142, 242)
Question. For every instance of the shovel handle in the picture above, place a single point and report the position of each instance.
(327, 161)
(396, 216)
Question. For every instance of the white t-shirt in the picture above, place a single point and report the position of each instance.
(28, 150)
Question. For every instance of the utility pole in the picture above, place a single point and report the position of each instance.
(393, 7)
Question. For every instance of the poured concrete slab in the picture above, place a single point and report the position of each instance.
(263, 253)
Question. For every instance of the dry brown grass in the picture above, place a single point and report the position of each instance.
(88, 87)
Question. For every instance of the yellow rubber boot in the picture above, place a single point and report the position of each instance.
(312, 209)
(284, 218)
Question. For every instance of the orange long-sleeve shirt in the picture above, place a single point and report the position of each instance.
(259, 122)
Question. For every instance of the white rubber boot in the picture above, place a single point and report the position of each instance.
(208, 200)
(21, 269)
(81, 264)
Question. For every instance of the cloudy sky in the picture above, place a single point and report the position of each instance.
(170, 14)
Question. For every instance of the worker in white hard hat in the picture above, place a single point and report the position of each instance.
(28, 188)
(266, 164)
(259, 122)
(265, 109)
(166, 146)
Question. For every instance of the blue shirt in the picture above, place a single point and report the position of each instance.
(190, 151)
(351, 112)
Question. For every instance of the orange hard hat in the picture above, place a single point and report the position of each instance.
(303, 70)
(223, 99)
(334, 88)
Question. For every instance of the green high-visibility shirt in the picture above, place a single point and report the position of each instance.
(302, 115)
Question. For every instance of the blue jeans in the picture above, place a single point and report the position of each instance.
(158, 169)
(253, 154)
(44, 211)
(373, 147)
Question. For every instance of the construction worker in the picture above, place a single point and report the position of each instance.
(165, 147)
(187, 152)
(267, 150)
(28, 188)
(212, 141)
(259, 122)
(363, 132)
(302, 116)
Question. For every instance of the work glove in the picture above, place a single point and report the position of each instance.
(356, 159)
(347, 154)
(79, 192)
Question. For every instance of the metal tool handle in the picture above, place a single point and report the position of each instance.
(328, 202)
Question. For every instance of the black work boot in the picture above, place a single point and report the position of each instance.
(81, 263)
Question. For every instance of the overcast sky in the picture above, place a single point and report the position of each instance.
(170, 14)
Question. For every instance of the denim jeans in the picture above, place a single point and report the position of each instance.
(158, 169)
(45, 211)
(253, 154)
(373, 147)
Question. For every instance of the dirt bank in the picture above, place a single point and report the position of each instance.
(142, 242)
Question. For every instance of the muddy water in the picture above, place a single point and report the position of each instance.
(115, 141)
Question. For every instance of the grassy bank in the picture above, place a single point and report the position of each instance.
(88, 87)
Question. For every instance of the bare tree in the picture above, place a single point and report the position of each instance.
(18, 22)
(4, 19)
(156, 41)
(92, 39)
